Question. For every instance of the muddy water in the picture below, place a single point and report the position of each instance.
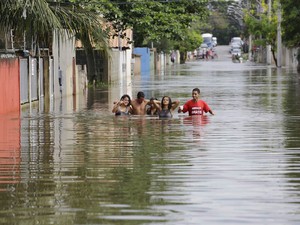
(76, 163)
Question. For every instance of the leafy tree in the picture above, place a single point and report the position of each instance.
(222, 22)
(33, 17)
(262, 26)
(38, 18)
(290, 25)
(156, 20)
(191, 40)
(290, 22)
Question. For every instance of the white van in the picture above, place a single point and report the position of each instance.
(236, 41)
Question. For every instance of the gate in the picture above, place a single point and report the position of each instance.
(34, 80)
(41, 78)
(24, 81)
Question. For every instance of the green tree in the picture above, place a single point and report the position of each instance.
(290, 25)
(225, 21)
(191, 40)
(157, 20)
(262, 26)
(33, 17)
(38, 18)
(290, 22)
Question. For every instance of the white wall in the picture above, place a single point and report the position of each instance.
(119, 71)
(289, 57)
(63, 54)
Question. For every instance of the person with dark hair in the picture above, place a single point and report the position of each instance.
(139, 104)
(195, 106)
(152, 110)
(166, 107)
(123, 107)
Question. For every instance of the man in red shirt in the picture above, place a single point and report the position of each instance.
(195, 106)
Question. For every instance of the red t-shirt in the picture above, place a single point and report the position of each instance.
(195, 108)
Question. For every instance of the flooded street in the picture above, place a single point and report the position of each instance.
(76, 163)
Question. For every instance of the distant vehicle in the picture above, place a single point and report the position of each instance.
(237, 41)
(234, 46)
(207, 39)
(236, 52)
(214, 41)
(236, 55)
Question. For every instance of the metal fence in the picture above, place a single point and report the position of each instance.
(32, 79)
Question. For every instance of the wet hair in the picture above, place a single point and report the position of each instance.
(196, 89)
(140, 94)
(153, 98)
(170, 102)
(126, 96)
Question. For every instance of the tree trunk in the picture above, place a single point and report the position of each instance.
(90, 57)
(274, 57)
(182, 57)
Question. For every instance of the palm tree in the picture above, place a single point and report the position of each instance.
(37, 19)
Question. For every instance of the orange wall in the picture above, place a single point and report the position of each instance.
(10, 85)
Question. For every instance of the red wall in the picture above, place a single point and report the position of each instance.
(10, 85)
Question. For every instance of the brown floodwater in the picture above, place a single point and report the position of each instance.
(76, 163)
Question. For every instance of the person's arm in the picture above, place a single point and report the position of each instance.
(183, 108)
(175, 104)
(116, 106)
(207, 109)
(130, 109)
(156, 103)
(180, 109)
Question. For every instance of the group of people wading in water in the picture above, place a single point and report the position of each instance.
(163, 109)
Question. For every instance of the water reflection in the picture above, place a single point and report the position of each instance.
(9, 150)
(76, 163)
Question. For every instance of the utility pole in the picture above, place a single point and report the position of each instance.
(279, 47)
(250, 37)
(269, 46)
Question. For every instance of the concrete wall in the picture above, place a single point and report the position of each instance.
(120, 75)
(119, 67)
(63, 55)
(289, 58)
(81, 78)
(10, 90)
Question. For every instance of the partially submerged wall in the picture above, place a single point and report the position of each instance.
(10, 90)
